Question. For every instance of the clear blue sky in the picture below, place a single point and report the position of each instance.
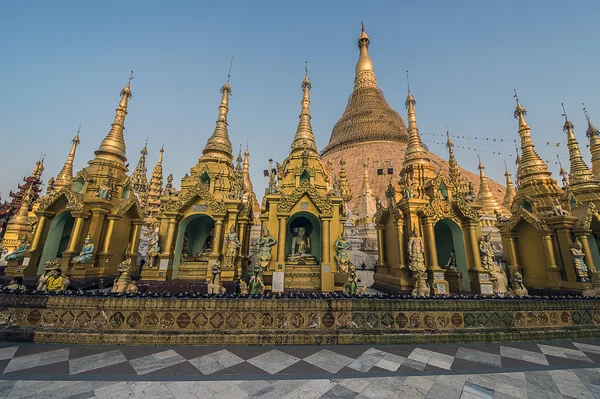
(64, 63)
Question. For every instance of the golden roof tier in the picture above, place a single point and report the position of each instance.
(368, 116)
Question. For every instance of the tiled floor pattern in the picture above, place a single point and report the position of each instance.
(578, 383)
(30, 360)
(555, 369)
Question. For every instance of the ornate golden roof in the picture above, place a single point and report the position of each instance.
(368, 116)
(592, 134)
(581, 178)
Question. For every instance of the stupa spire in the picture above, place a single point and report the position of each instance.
(139, 177)
(343, 182)
(246, 170)
(592, 134)
(580, 176)
(366, 185)
(510, 188)
(113, 145)
(532, 170)
(156, 187)
(65, 176)
(485, 197)
(454, 170)
(365, 72)
(21, 218)
(218, 143)
(305, 138)
(415, 152)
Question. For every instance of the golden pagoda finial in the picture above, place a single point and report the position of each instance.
(532, 170)
(510, 189)
(563, 173)
(366, 184)
(113, 145)
(592, 134)
(345, 190)
(365, 72)
(580, 176)
(39, 166)
(65, 176)
(219, 142)
(305, 139)
(454, 170)
(415, 152)
(485, 197)
(21, 218)
(139, 179)
(155, 189)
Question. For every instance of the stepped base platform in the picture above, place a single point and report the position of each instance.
(317, 319)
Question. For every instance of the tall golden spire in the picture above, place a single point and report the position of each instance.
(485, 197)
(454, 170)
(415, 152)
(366, 185)
(65, 177)
(156, 187)
(247, 182)
(218, 143)
(365, 72)
(510, 189)
(532, 170)
(580, 176)
(113, 145)
(305, 138)
(592, 134)
(343, 182)
(139, 179)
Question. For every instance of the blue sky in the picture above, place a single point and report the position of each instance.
(64, 63)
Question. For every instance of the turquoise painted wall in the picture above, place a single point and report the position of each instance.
(448, 237)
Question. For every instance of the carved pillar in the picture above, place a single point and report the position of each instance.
(565, 242)
(473, 241)
(585, 243)
(110, 228)
(75, 234)
(242, 237)
(554, 277)
(281, 240)
(381, 246)
(512, 253)
(430, 246)
(135, 238)
(325, 240)
(169, 244)
(400, 231)
(218, 240)
(38, 233)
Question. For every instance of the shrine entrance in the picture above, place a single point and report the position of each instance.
(303, 238)
(58, 238)
(195, 240)
(448, 238)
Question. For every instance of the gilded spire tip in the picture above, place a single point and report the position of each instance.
(568, 124)
(229, 73)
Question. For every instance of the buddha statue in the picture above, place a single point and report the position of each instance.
(301, 246)
(232, 244)
(104, 189)
(86, 252)
(265, 243)
(451, 261)
(19, 253)
(207, 245)
(342, 257)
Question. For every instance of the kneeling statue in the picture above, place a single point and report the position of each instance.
(215, 286)
(123, 282)
(256, 285)
(49, 267)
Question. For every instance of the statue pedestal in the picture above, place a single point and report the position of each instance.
(196, 270)
(454, 278)
(480, 282)
(339, 280)
(303, 277)
(20, 268)
(163, 271)
(437, 282)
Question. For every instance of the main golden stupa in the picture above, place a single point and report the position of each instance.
(370, 136)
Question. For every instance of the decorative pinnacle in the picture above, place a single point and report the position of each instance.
(306, 81)
(568, 124)
(449, 143)
(362, 23)
(408, 85)
(520, 111)
(229, 73)
(76, 138)
(409, 98)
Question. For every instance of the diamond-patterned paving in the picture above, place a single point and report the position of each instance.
(553, 369)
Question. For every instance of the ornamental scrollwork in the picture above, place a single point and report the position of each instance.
(185, 197)
(323, 204)
(523, 214)
(466, 209)
(74, 200)
(590, 214)
(125, 206)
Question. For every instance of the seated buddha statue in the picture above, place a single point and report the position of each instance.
(19, 253)
(86, 252)
(301, 247)
(207, 246)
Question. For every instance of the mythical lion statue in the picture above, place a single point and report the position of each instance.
(595, 282)
(516, 284)
(421, 285)
(50, 265)
(215, 286)
(123, 282)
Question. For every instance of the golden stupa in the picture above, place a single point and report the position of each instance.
(371, 133)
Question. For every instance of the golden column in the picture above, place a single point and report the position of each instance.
(75, 234)
(281, 240)
(110, 228)
(400, 231)
(380, 248)
(554, 277)
(216, 251)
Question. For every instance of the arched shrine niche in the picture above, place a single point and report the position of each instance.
(57, 239)
(449, 239)
(303, 239)
(195, 240)
(531, 255)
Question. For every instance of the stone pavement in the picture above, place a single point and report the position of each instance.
(555, 369)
